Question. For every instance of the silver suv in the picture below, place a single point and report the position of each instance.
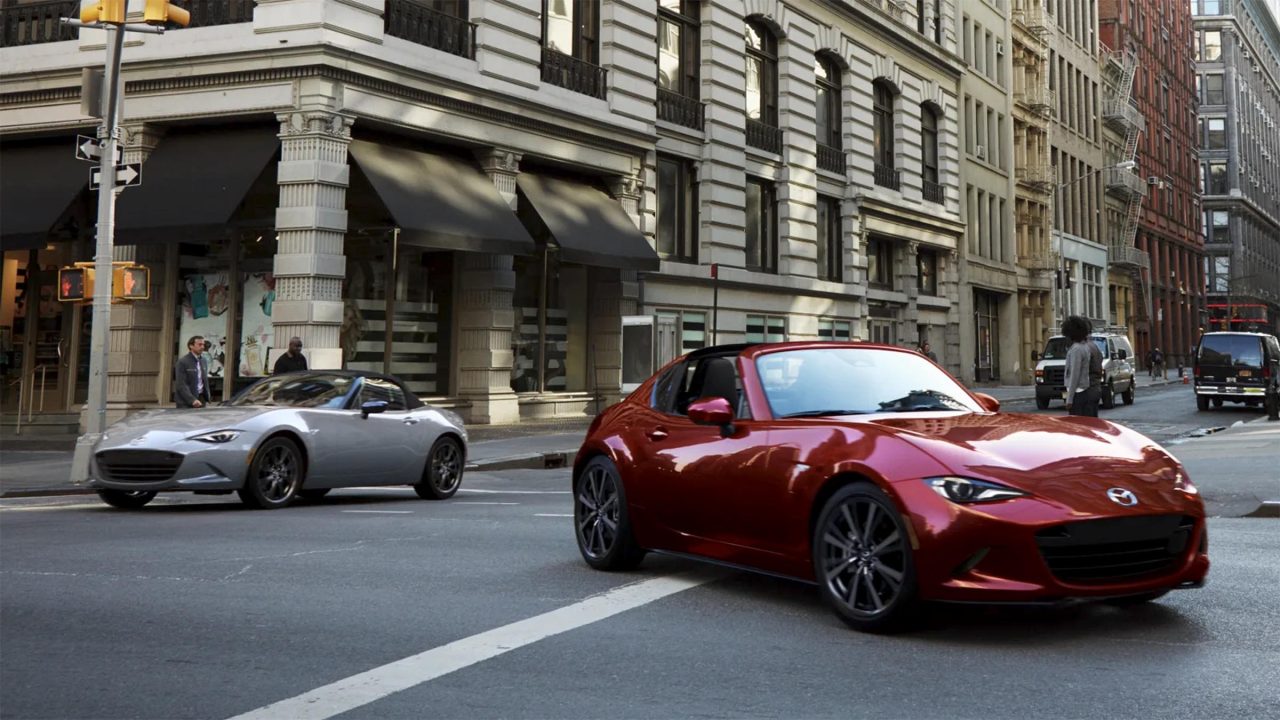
(1117, 369)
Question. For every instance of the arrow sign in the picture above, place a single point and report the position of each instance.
(90, 149)
(126, 176)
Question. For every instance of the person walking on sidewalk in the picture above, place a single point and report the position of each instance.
(191, 377)
(1157, 363)
(1083, 368)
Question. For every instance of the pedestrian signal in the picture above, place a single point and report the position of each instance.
(131, 282)
(75, 284)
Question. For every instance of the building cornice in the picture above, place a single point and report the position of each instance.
(890, 30)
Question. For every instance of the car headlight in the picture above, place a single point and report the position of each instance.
(967, 490)
(217, 436)
(1183, 483)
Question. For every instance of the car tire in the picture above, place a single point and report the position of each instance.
(442, 475)
(868, 574)
(602, 520)
(275, 476)
(126, 499)
(1127, 397)
(1140, 599)
(1273, 407)
(1217, 403)
(1108, 399)
(313, 493)
(1042, 403)
(1202, 403)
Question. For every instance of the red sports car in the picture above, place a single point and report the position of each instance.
(872, 472)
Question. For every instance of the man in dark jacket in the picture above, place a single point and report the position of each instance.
(191, 377)
(292, 360)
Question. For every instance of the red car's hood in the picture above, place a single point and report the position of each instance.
(1072, 460)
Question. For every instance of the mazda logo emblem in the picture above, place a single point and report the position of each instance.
(1120, 496)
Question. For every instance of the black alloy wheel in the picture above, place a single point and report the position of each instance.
(126, 499)
(601, 520)
(275, 475)
(443, 473)
(862, 560)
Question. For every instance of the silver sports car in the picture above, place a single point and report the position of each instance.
(288, 436)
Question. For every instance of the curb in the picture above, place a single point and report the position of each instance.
(51, 492)
(526, 461)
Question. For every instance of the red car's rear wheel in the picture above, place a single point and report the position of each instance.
(862, 559)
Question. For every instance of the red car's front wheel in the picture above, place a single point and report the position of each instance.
(862, 559)
(600, 518)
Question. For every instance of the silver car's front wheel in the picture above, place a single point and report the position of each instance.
(274, 476)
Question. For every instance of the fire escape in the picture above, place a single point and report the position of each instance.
(1033, 171)
(1121, 115)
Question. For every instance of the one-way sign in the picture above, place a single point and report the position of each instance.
(90, 149)
(126, 176)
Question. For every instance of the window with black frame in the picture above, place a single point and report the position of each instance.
(828, 114)
(762, 226)
(880, 263)
(762, 88)
(571, 46)
(677, 231)
(882, 135)
(929, 154)
(830, 245)
(678, 60)
(927, 272)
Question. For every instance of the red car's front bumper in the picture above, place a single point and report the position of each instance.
(1031, 550)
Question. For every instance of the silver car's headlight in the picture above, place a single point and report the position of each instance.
(217, 436)
(967, 490)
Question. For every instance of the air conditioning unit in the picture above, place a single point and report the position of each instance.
(1000, 47)
(981, 152)
(1153, 180)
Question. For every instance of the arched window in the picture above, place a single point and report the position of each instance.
(828, 99)
(678, 63)
(762, 74)
(882, 128)
(929, 154)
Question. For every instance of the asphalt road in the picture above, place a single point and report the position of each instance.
(198, 608)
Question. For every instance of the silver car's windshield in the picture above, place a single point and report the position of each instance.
(298, 391)
(851, 381)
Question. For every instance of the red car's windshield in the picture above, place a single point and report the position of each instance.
(850, 381)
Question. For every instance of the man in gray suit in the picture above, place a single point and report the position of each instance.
(191, 377)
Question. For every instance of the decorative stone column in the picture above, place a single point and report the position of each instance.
(908, 324)
(486, 320)
(137, 359)
(311, 222)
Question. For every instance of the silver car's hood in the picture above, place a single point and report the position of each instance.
(160, 427)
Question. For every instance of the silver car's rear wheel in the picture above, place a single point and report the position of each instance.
(862, 559)
(275, 475)
(444, 471)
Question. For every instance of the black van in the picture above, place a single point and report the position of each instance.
(1238, 367)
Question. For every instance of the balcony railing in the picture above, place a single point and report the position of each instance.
(764, 137)
(680, 110)
(1035, 175)
(1043, 260)
(1033, 17)
(830, 159)
(36, 23)
(1125, 184)
(933, 192)
(419, 24)
(573, 74)
(1121, 115)
(888, 177)
(1040, 100)
(1127, 256)
(205, 13)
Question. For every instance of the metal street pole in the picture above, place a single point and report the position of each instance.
(99, 349)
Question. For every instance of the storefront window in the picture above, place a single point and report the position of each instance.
(550, 339)
(204, 290)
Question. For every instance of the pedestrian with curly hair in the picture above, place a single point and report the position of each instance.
(1084, 384)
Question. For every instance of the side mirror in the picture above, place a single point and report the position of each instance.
(711, 411)
(372, 407)
(1124, 354)
(1035, 356)
(987, 402)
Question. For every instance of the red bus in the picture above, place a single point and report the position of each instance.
(1246, 317)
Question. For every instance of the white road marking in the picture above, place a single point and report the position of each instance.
(381, 512)
(481, 502)
(515, 492)
(553, 514)
(360, 690)
(40, 508)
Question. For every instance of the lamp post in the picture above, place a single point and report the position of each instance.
(1125, 165)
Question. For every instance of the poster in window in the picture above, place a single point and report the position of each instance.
(204, 313)
(256, 337)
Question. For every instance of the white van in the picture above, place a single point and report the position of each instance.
(1117, 369)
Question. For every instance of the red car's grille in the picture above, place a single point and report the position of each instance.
(1098, 552)
(138, 465)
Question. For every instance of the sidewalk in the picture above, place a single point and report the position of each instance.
(1027, 393)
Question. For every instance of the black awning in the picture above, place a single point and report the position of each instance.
(192, 184)
(440, 201)
(590, 227)
(38, 181)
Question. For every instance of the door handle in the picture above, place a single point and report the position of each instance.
(411, 421)
(657, 434)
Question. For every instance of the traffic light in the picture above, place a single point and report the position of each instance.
(132, 282)
(163, 12)
(75, 284)
(106, 11)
